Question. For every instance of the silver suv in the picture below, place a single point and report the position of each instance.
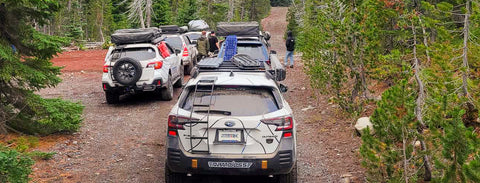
(231, 119)
(140, 67)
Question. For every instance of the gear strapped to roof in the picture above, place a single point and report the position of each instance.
(241, 29)
(132, 36)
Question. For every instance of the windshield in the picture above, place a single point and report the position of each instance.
(233, 100)
(256, 51)
(135, 53)
(175, 42)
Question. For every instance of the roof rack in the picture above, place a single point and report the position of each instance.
(172, 29)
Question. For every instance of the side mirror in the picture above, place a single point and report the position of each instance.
(273, 52)
(283, 88)
(177, 51)
(194, 41)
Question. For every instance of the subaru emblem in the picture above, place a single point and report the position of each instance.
(229, 123)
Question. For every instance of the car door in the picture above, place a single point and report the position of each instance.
(174, 60)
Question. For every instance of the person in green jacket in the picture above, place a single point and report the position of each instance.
(202, 46)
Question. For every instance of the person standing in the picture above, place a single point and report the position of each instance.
(202, 46)
(213, 42)
(290, 44)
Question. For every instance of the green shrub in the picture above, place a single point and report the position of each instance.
(52, 115)
(107, 45)
(14, 167)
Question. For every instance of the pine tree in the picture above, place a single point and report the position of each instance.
(162, 13)
(25, 68)
(187, 12)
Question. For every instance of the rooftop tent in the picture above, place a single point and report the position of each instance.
(241, 29)
(172, 29)
(130, 36)
(197, 25)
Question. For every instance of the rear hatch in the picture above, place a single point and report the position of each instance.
(144, 55)
(241, 120)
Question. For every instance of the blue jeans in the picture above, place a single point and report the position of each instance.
(289, 55)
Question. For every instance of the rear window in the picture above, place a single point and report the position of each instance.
(233, 100)
(175, 42)
(136, 53)
(255, 51)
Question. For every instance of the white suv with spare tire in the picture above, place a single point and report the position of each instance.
(140, 62)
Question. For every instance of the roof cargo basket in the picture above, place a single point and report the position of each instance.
(131, 36)
(242, 29)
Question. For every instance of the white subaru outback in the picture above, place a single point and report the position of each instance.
(231, 121)
(141, 67)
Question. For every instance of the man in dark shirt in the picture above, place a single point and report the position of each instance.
(290, 44)
(213, 42)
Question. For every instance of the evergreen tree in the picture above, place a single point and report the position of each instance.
(162, 13)
(25, 68)
(187, 12)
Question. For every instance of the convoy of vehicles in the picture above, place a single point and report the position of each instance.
(231, 117)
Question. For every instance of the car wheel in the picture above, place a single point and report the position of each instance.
(179, 82)
(167, 93)
(172, 177)
(127, 71)
(112, 97)
(290, 177)
(189, 67)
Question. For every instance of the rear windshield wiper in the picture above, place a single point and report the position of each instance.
(227, 113)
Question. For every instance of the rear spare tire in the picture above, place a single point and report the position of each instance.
(127, 71)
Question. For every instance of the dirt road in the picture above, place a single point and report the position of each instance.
(125, 142)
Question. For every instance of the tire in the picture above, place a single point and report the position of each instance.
(179, 82)
(167, 93)
(290, 177)
(189, 67)
(112, 97)
(172, 177)
(127, 71)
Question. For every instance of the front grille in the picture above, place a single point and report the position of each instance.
(174, 155)
(285, 157)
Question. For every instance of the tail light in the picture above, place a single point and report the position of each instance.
(185, 51)
(284, 124)
(268, 62)
(176, 123)
(155, 65)
(105, 68)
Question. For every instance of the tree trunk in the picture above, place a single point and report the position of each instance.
(148, 12)
(419, 105)
(466, 33)
(231, 4)
(140, 16)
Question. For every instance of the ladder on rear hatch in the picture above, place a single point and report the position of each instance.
(210, 84)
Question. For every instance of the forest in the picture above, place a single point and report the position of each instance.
(95, 20)
(420, 56)
(423, 56)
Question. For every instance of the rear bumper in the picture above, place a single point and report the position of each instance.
(280, 162)
(125, 89)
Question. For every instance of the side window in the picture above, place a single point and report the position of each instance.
(170, 48)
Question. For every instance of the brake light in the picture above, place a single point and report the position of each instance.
(282, 123)
(185, 51)
(105, 68)
(155, 65)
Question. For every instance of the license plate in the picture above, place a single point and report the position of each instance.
(229, 164)
(230, 136)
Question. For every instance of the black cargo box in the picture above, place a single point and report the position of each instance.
(130, 36)
(241, 29)
(169, 29)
